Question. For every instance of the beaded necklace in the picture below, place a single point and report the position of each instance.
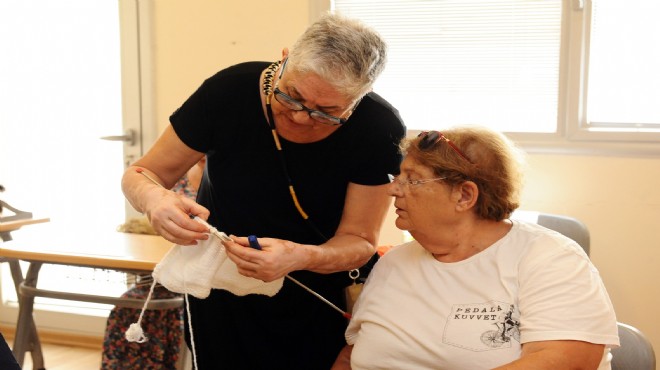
(269, 75)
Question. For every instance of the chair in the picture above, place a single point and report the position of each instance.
(568, 226)
(635, 352)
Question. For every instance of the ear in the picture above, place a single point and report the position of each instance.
(285, 53)
(466, 195)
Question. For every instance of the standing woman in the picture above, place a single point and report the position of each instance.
(298, 153)
(476, 290)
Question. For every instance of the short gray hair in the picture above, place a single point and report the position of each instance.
(343, 51)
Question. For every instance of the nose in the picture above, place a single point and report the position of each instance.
(394, 189)
(301, 116)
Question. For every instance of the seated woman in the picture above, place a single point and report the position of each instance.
(476, 290)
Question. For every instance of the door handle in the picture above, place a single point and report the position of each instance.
(128, 137)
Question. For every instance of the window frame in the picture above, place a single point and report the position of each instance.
(574, 135)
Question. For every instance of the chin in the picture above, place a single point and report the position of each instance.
(401, 224)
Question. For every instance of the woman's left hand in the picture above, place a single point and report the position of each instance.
(276, 258)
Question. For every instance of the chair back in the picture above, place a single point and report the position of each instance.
(635, 352)
(565, 225)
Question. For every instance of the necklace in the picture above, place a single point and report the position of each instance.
(269, 75)
(267, 88)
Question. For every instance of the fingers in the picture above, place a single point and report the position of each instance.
(170, 218)
(176, 233)
(247, 262)
(267, 264)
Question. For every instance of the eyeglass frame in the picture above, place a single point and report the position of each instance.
(314, 114)
(428, 141)
(395, 179)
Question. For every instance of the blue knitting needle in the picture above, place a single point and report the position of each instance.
(254, 243)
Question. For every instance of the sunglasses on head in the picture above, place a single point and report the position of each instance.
(430, 138)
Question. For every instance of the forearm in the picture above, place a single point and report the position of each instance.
(356, 238)
(536, 362)
(139, 190)
(340, 253)
(560, 354)
(165, 163)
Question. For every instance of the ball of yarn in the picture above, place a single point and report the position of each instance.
(135, 334)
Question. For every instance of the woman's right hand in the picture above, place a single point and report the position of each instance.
(146, 182)
(170, 215)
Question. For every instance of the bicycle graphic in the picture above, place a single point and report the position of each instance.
(506, 329)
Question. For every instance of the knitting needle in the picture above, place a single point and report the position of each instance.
(253, 241)
(222, 236)
(344, 313)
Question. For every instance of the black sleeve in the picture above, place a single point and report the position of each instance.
(381, 130)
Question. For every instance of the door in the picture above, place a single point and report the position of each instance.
(62, 77)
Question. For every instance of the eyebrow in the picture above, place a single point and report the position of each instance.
(293, 90)
(410, 171)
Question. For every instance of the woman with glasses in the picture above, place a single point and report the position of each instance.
(475, 289)
(298, 154)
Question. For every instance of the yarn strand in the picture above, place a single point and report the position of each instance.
(192, 336)
(135, 332)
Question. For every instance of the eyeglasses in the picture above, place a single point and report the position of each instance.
(395, 179)
(430, 138)
(317, 115)
(297, 106)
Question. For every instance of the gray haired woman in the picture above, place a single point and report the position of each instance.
(298, 154)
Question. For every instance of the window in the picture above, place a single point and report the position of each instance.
(63, 73)
(624, 76)
(61, 91)
(554, 75)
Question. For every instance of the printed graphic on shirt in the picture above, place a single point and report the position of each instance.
(483, 326)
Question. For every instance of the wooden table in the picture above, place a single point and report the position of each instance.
(114, 250)
(7, 227)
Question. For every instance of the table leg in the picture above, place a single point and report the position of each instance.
(27, 338)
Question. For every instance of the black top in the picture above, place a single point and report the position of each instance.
(246, 191)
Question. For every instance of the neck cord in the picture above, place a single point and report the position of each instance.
(268, 91)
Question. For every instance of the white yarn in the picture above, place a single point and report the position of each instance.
(190, 330)
(134, 333)
(190, 269)
(196, 270)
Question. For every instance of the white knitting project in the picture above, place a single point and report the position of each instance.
(195, 270)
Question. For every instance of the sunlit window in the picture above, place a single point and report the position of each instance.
(493, 63)
(60, 91)
(554, 71)
(624, 64)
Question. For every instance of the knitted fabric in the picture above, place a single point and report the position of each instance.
(195, 270)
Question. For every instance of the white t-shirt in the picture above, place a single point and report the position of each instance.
(532, 285)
